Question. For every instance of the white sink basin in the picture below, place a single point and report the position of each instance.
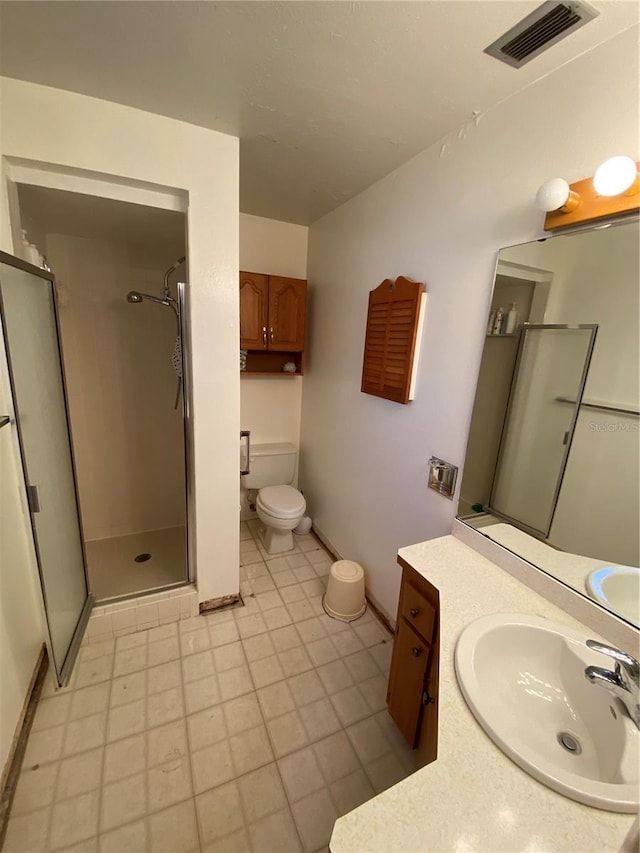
(618, 588)
(523, 678)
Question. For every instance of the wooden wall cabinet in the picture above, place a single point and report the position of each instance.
(412, 696)
(272, 321)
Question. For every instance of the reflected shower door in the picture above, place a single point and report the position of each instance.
(29, 324)
(544, 401)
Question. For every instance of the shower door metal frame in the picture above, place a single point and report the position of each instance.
(63, 674)
(184, 306)
(543, 535)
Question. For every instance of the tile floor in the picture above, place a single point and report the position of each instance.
(251, 729)
(113, 571)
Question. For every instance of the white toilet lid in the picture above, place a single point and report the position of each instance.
(282, 501)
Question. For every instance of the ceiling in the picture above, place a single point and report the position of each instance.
(326, 97)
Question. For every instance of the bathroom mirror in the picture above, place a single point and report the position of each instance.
(552, 470)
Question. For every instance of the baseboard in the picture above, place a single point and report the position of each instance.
(13, 766)
(222, 603)
(373, 604)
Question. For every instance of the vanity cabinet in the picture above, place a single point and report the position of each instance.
(412, 695)
(272, 321)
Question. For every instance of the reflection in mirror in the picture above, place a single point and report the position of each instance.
(552, 470)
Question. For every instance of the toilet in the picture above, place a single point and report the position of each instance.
(279, 505)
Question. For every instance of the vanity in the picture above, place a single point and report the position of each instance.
(473, 797)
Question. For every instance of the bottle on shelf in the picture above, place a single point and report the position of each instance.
(492, 318)
(497, 322)
(512, 319)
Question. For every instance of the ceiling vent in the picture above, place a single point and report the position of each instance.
(550, 23)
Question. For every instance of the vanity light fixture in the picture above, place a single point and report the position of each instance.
(613, 191)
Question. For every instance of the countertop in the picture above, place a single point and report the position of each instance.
(474, 798)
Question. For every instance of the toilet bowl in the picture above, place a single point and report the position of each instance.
(280, 509)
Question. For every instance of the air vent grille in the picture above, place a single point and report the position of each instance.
(543, 28)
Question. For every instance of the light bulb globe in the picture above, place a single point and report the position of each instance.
(615, 176)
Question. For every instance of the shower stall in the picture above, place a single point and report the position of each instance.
(120, 298)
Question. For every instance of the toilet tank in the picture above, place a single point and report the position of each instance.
(270, 465)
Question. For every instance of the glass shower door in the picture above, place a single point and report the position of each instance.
(30, 329)
(544, 402)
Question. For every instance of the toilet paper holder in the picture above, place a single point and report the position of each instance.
(442, 477)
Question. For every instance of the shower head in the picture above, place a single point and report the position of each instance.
(134, 297)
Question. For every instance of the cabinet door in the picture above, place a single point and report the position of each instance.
(406, 682)
(287, 311)
(254, 289)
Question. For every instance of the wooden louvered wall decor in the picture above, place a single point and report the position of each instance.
(390, 342)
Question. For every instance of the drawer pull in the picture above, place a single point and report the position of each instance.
(414, 612)
(416, 652)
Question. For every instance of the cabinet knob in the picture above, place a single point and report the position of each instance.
(264, 335)
(272, 334)
(414, 612)
(416, 652)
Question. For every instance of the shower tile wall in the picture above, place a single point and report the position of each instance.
(127, 437)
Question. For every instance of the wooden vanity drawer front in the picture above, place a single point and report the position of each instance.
(418, 612)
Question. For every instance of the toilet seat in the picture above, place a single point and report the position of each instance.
(281, 501)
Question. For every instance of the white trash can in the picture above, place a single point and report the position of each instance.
(344, 598)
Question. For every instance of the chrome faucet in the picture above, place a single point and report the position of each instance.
(623, 681)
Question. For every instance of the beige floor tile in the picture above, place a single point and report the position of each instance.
(35, 789)
(277, 618)
(251, 749)
(132, 641)
(164, 707)
(74, 819)
(335, 676)
(237, 842)
(301, 774)
(242, 714)
(304, 574)
(174, 830)
(44, 746)
(163, 632)
(314, 587)
(262, 584)
(322, 651)
(128, 688)
(294, 661)
(382, 656)
(229, 656)
(206, 727)
(336, 757)
(276, 565)
(311, 630)
(266, 671)
(89, 700)
(347, 642)
(212, 766)
(235, 682)
(369, 740)
(275, 700)
(219, 812)
(269, 600)
(129, 660)
(164, 677)
(361, 666)
(306, 688)
(351, 705)
(315, 816)
(80, 774)
(296, 560)
(126, 839)
(316, 555)
(372, 634)
(97, 650)
(85, 733)
(351, 791)
(251, 625)
(289, 594)
(167, 743)
(92, 671)
(385, 772)
(123, 802)
(319, 719)
(197, 666)
(258, 647)
(195, 641)
(52, 712)
(126, 720)
(169, 783)
(374, 691)
(277, 832)
(89, 845)
(287, 733)
(285, 638)
(284, 578)
(202, 694)
(163, 651)
(223, 632)
(300, 610)
(261, 793)
(27, 833)
(124, 758)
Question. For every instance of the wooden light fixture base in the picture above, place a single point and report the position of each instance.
(593, 206)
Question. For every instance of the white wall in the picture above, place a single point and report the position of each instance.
(271, 406)
(122, 145)
(439, 219)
